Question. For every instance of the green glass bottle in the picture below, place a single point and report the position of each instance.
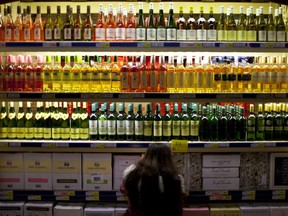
(167, 122)
(75, 127)
(268, 123)
(262, 27)
(39, 123)
(278, 124)
(171, 27)
(140, 28)
(260, 123)
(129, 123)
(111, 123)
(29, 122)
(213, 125)
(68, 25)
(56, 126)
(232, 129)
(47, 122)
(102, 123)
(93, 122)
(58, 26)
(223, 125)
(251, 124)
(204, 126)
(185, 123)
(20, 122)
(241, 126)
(12, 125)
(84, 122)
(194, 124)
(176, 123)
(4, 122)
(151, 27)
(65, 123)
(157, 124)
(161, 27)
(121, 130)
(148, 124)
(139, 125)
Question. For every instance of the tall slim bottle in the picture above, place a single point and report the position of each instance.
(111, 123)
(56, 122)
(84, 122)
(213, 125)
(93, 122)
(78, 28)
(185, 123)
(100, 31)
(232, 125)
(223, 125)
(191, 33)
(269, 123)
(102, 123)
(201, 31)
(211, 27)
(29, 122)
(65, 124)
(176, 122)
(134, 76)
(222, 26)
(39, 122)
(251, 124)
(148, 124)
(121, 120)
(38, 73)
(241, 26)
(157, 124)
(19, 74)
(280, 27)
(167, 126)
(76, 74)
(262, 27)
(68, 25)
(105, 75)
(151, 27)
(139, 124)
(110, 25)
(271, 27)
(144, 75)
(124, 74)
(18, 26)
(251, 28)
(47, 75)
(204, 132)
(241, 126)
(194, 124)
(48, 26)
(57, 75)
(161, 26)
(171, 74)
(66, 75)
(47, 131)
(278, 124)
(75, 123)
(9, 25)
(29, 74)
(38, 29)
(140, 28)
(153, 82)
(4, 122)
(88, 26)
(130, 123)
(95, 76)
(2, 27)
(20, 132)
(181, 26)
(58, 26)
(86, 75)
(260, 123)
(12, 124)
(28, 26)
(171, 26)
(131, 25)
(162, 70)
(231, 26)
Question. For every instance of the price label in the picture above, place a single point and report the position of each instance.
(65, 44)
(270, 144)
(216, 193)
(179, 145)
(144, 44)
(90, 95)
(92, 198)
(226, 45)
(48, 96)
(208, 44)
(212, 145)
(6, 193)
(157, 44)
(13, 95)
(62, 198)
(279, 45)
(279, 95)
(62, 145)
(220, 198)
(122, 198)
(48, 145)
(49, 44)
(97, 145)
(106, 95)
(12, 144)
(34, 197)
(263, 96)
(64, 193)
(110, 145)
(6, 198)
(279, 192)
(266, 45)
(92, 193)
(126, 96)
(239, 44)
(198, 45)
(278, 197)
(184, 45)
(248, 193)
(102, 45)
(258, 145)
(248, 197)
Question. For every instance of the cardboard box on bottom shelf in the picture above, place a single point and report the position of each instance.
(220, 183)
(278, 209)
(224, 210)
(223, 172)
(97, 171)
(196, 210)
(38, 208)
(11, 171)
(253, 209)
(38, 171)
(11, 208)
(221, 160)
(99, 209)
(69, 209)
(67, 171)
(121, 162)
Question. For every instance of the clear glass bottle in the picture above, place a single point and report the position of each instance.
(181, 26)
(38, 29)
(191, 27)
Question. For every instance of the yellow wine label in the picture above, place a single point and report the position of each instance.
(20, 133)
(12, 115)
(3, 115)
(29, 133)
(74, 116)
(28, 116)
(38, 133)
(65, 116)
(65, 133)
(38, 116)
(20, 115)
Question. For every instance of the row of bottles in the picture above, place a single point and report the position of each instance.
(144, 74)
(121, 24)
(192, 122)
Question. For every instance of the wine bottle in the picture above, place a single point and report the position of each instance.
(162, 70)
(140, 28)
(78, 30)
(167, 122)
(161, 26)
(222, 26)
(204, 132)
(88, 26)
(241, 126)
(75, 127)
(151, 27)
(99, 33)
(153, 82)
(271, 28)
(12, 124)
(251, 28)
(20, 122)
(262, 27)
(191, 27)
(93, 122)
(185, 123)
(232, 125)
(111, 123)
(39, 122)
(18, 26)
(47, 124)
(223, 125)
(65, 123)
(124, 74)
(143, 74)
(4, 122)
(260, 123)
(181, 26)
(66, 75)
(280, 27)
(102, 124)
(131, 25)
(28, 26)
(176, 123)
(148, 124)
(201, 31)
(84, 122)
(231, 26)
(121, 130)
(139, 124)
(58, 26)
(171, 27)
(241, 26)
(194, 124)
(157, 124)
(251, 124)
(269, 124)
(129, 123)
(29, 122)
(38, 29)
(211, 27)
(68, 25)
(213, 125)
(56, 122)
(278, 124)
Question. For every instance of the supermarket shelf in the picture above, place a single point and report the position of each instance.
(192, 196)
(169, 46)
(140, 97)
(136, 146)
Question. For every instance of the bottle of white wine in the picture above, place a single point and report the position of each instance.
(280, 28)
(231, 26)
(262, 27)
(56, 126)
(241, 26)
(12, 125)
(221, 27)
(39, 123)
(29, 122)
(20, 122)
(75, 128)
(65, 124)
(271, 28)
(47, 122)
(84, 123)
(3, 122)
(251, 28)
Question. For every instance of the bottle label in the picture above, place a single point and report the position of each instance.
(20, 133)
(115, 76)
(171, 34)
(161, 34)
(153, 79)
(29, 133)
(3, 132)
(95, 76)
(27, 34)
(232, 35)
(191, 34)
(77, 33)
(28, 116)
(222, 35)
(256, 77)
(190, 80)
(110, 34)
(262, 35)
(157, 128)
(19, 116)
(283, 77)
(11, 132)
(3, 115)
(250, 128)
(139, 127)
(241, 35)
(67, 34)
(87, 34)
(65, 133)
(84, 116)
(135, 80)
(48, 34)
(265, 77)
(209, 80)
(131, 34)
(65, 116)
(121, 127)
(111, 127)
(200, 79)
(56, 116)
(120, 34)
(176, 128)
(143, 79)
(212, 35)
(271, 36)
(11, 116)
(57, 34)
(170, 80)
(8, 34)
(184, 128)
(140, 34)
(181, 34)
(75, 133)
(268, 128)
(125, 80)
(74, 116)
(84, 133)
(16, 34)
(147, 128)
(285, 128)
(201, 34)
(100, 34)
(194, 128)
(151, 34)
(274, 77)
(38, 116)
(181, 80)
(38, 133)
(129, 127)
(47, 133)
(166, 128)
(102, 127)
(163, 79)
(251, 35)
(93, 127)
(56, 133)
(37, 34)
(280, 35)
